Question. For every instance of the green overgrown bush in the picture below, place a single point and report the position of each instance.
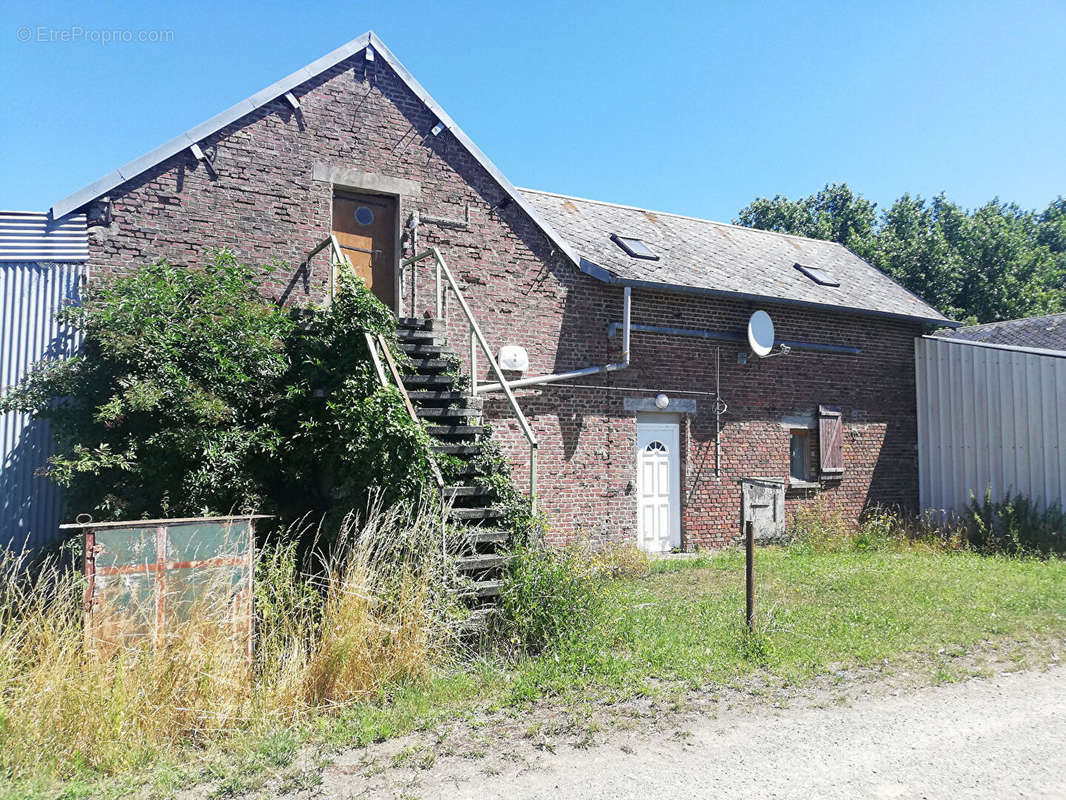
(1015, 525)
(192, 395)
(494, 473)
(551, 596)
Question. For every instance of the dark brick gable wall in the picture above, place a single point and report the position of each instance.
(265, 206)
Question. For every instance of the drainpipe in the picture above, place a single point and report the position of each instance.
(577, 373)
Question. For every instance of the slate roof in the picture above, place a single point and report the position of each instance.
(705, 257)
(1044, 333)
(696, 255)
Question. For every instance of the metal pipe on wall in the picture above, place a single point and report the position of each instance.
(535, 380)
(730, 336)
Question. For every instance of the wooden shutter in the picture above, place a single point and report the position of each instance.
(831, 440)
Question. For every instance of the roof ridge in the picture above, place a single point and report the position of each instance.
(1054, 315)
(277, 90)
(680, 216)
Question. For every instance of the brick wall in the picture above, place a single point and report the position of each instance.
(264, 204)
(587, 453)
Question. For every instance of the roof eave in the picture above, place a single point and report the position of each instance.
(278, 89)
(150, 159)
(1015, 348)
(606, 276)
(475, 151)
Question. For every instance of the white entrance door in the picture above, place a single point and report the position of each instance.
(658, 486)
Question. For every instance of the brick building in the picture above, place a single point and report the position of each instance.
(651, 447)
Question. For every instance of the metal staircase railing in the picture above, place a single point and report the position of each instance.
(444, 281)
(373, 342)
(338, 259)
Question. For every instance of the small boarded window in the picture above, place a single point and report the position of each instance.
(831, 440)
(798, 455)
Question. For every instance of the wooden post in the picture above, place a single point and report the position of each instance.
(749, 547)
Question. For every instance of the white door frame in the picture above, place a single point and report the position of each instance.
(665, 429)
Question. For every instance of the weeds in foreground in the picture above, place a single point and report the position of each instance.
(551, 596)
(366, 650)
(1015, 525)
(821, 530)
(374, 613)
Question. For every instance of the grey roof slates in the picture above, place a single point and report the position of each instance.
(712, 257)
(1046, 332)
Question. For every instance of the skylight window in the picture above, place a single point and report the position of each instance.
(819, 276)
(636, 248)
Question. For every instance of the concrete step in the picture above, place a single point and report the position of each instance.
(480, 536)
(451, 492)
(487, 588)
(474, 513)
(428, 382)
(416, 323)
(426, 350)
(425, 365)
(483, 562)
(457, 449)
(456, 431)
(445, 398)
(433, 412)
(407, 336)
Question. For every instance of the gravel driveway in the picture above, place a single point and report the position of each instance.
(997, 737)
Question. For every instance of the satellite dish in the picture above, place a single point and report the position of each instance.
(761, 334)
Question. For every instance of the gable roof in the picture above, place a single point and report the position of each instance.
(278, 90)
(704, 257)
(1045, 333)
(696, 255)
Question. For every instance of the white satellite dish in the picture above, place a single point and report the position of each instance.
(761, 334)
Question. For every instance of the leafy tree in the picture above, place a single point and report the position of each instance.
(193, 395)
(835, 213)
(996, 262)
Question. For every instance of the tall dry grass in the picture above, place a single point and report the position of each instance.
(822, 529)
(337, 627)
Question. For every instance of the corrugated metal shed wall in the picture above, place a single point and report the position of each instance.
(989, 417)
(27, 236)
(30, 294)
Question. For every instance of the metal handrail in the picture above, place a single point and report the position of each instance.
(372, 346)
(338, 259)
(477, 337)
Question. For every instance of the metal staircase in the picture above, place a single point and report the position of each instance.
(451, 410)
(453, 419)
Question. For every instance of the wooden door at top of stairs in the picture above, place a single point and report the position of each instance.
(365, 227)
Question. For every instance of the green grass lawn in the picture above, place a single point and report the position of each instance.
(680, 627)
(815, 612)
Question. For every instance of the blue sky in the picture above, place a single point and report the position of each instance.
(695, 108)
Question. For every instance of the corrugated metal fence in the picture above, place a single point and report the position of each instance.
(30, 294)
(990, 417)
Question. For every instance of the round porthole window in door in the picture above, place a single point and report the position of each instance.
(363, 215)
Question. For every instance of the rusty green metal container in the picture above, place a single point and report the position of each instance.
(165, 577)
